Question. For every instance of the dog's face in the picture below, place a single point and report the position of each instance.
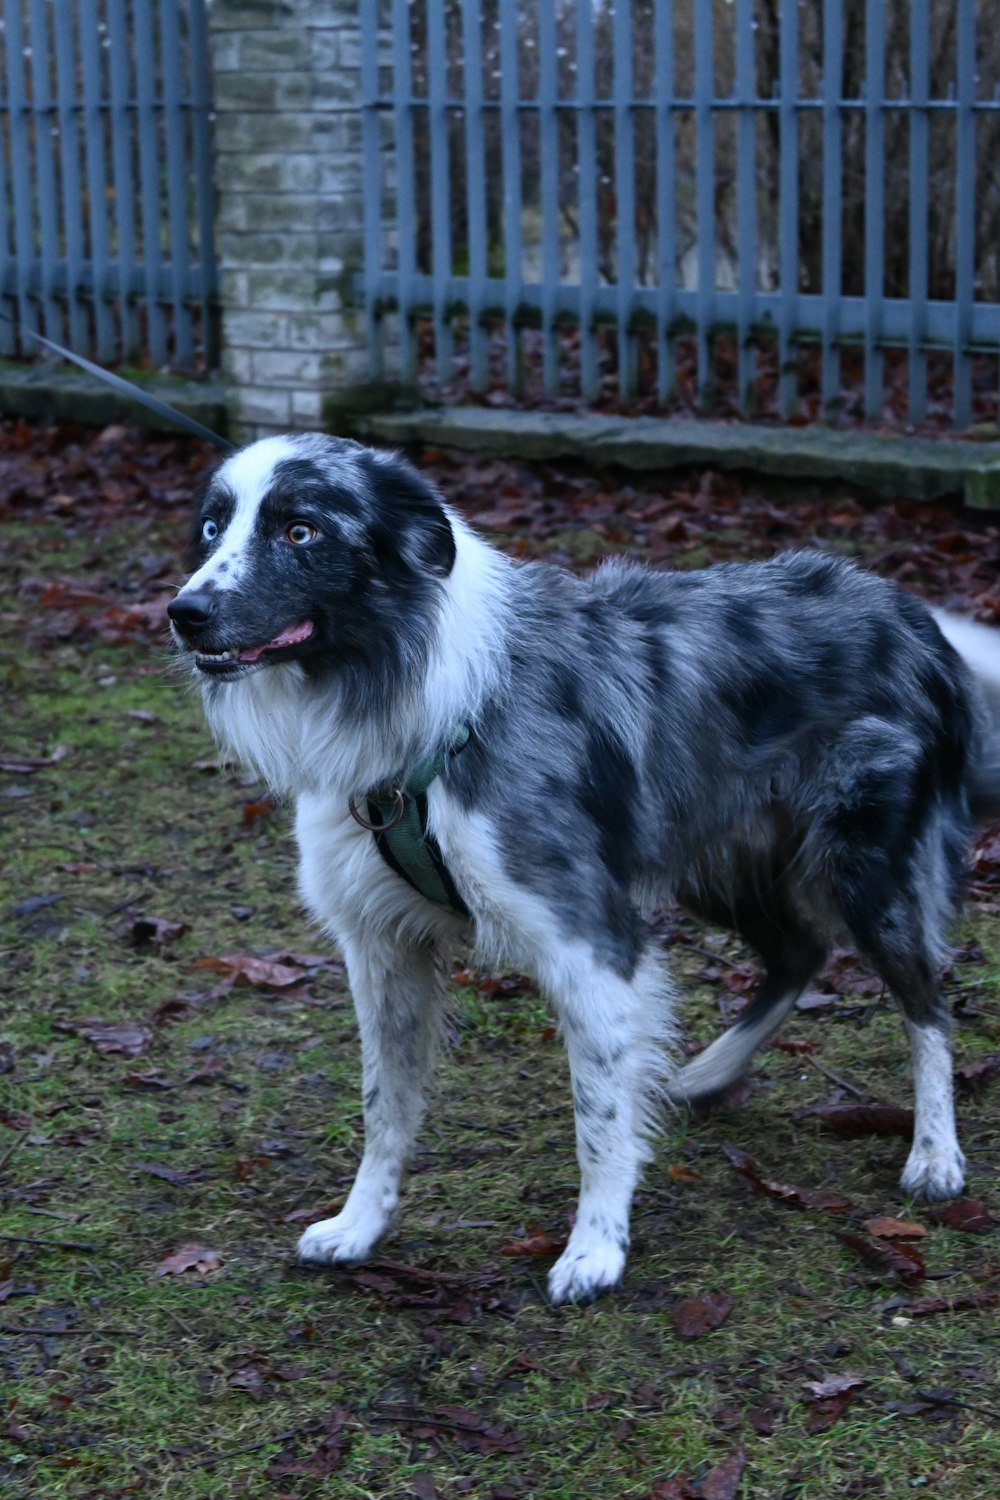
(311, 549)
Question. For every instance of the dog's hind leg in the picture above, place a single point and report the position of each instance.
(890, 928)
(398, 992)
(617, 1034)
(792, 956)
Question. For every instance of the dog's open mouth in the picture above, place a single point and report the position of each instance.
(237, 660)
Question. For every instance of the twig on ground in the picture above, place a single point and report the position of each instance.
(18, 1139)
(834, 1077)
(26, 1239)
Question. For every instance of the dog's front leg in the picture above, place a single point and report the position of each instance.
(397, 992)
(617, 1033)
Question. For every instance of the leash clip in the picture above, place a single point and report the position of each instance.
(391, 821)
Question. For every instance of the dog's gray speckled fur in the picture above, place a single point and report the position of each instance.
(792, 749)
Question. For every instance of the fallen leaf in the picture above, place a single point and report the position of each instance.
(798, 1197)
(897, 1260)
(974, 1076)
(309, 1215)
(190, 1258)
(153, 932)
(826, 1399)
(127, 1037)
(535, 1242)
(929, 1305)
(698, 1315)
(895, 1229)
(861, 1119)
(325, 1457)
(966, 1214)
(263, 972)
(179, 1176)
(252, 811)
(723, 1482)
(680, 1173)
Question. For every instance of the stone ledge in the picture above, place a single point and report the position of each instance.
(895, 467)
(44, 393)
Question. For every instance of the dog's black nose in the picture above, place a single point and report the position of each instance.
(191, 612)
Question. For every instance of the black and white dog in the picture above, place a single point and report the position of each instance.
(792, 748)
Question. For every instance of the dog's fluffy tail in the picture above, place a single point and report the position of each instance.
(979, 647)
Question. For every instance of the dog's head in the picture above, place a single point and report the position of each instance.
(315, 550)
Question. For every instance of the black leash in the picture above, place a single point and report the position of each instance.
(127, 388)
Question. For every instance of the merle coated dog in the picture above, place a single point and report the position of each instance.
(792, 749)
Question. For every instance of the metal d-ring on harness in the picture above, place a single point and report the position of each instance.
(395, 814)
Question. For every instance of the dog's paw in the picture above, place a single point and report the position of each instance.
(340, 1240)
(933, 1174)
(584, 1271)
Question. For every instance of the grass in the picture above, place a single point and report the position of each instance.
(255, 1378)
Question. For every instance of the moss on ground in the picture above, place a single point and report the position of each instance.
(441, 1369)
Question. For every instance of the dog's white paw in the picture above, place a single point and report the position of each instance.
(342, 1239)
(933, 1174)
(585, 1270)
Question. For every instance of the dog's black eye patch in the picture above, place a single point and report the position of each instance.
(300, 488)
(217, 506)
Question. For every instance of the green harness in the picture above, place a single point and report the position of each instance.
(397, 820)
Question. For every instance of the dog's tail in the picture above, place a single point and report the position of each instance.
(979, 647)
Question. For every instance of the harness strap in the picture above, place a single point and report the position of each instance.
(405, 845)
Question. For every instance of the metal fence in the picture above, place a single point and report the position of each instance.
(764, 198)
(106, 238)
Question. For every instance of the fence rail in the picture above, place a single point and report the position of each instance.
(106, 235)
(773, 182)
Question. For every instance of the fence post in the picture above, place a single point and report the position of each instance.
(288, 163)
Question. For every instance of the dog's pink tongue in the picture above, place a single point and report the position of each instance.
(290, 636)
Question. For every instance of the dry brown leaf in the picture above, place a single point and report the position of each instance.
(190, 1258)
(886, 1228)
(786, 1192)
(697, 1315)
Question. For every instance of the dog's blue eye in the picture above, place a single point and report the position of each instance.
(209, 531)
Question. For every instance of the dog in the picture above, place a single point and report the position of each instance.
(792, 749)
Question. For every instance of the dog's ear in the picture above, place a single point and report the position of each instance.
(420, 532)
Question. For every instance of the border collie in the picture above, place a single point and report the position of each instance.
(792, 749)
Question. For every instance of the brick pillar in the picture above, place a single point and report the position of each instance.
(289, 185)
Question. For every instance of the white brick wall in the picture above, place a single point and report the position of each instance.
(289, 189)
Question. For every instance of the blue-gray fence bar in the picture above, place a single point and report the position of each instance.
(97, 211)
(510, 155)
(666, 188)
(965, 206)
(704, 173)
(746, 210)
(475, 154)
(177, 213)
(788, 194)
(833, 171)
(20, 166)
(874, 204)
(370, 134)
(586, 196)
(919, 167)
(402, 86)
(69, 160)
(548, 149)
(45, 163)
(789, 235)
(624, 157)
(440, 189)
(86, 87)
(122, 132)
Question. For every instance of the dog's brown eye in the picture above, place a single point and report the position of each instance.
(300, 532)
